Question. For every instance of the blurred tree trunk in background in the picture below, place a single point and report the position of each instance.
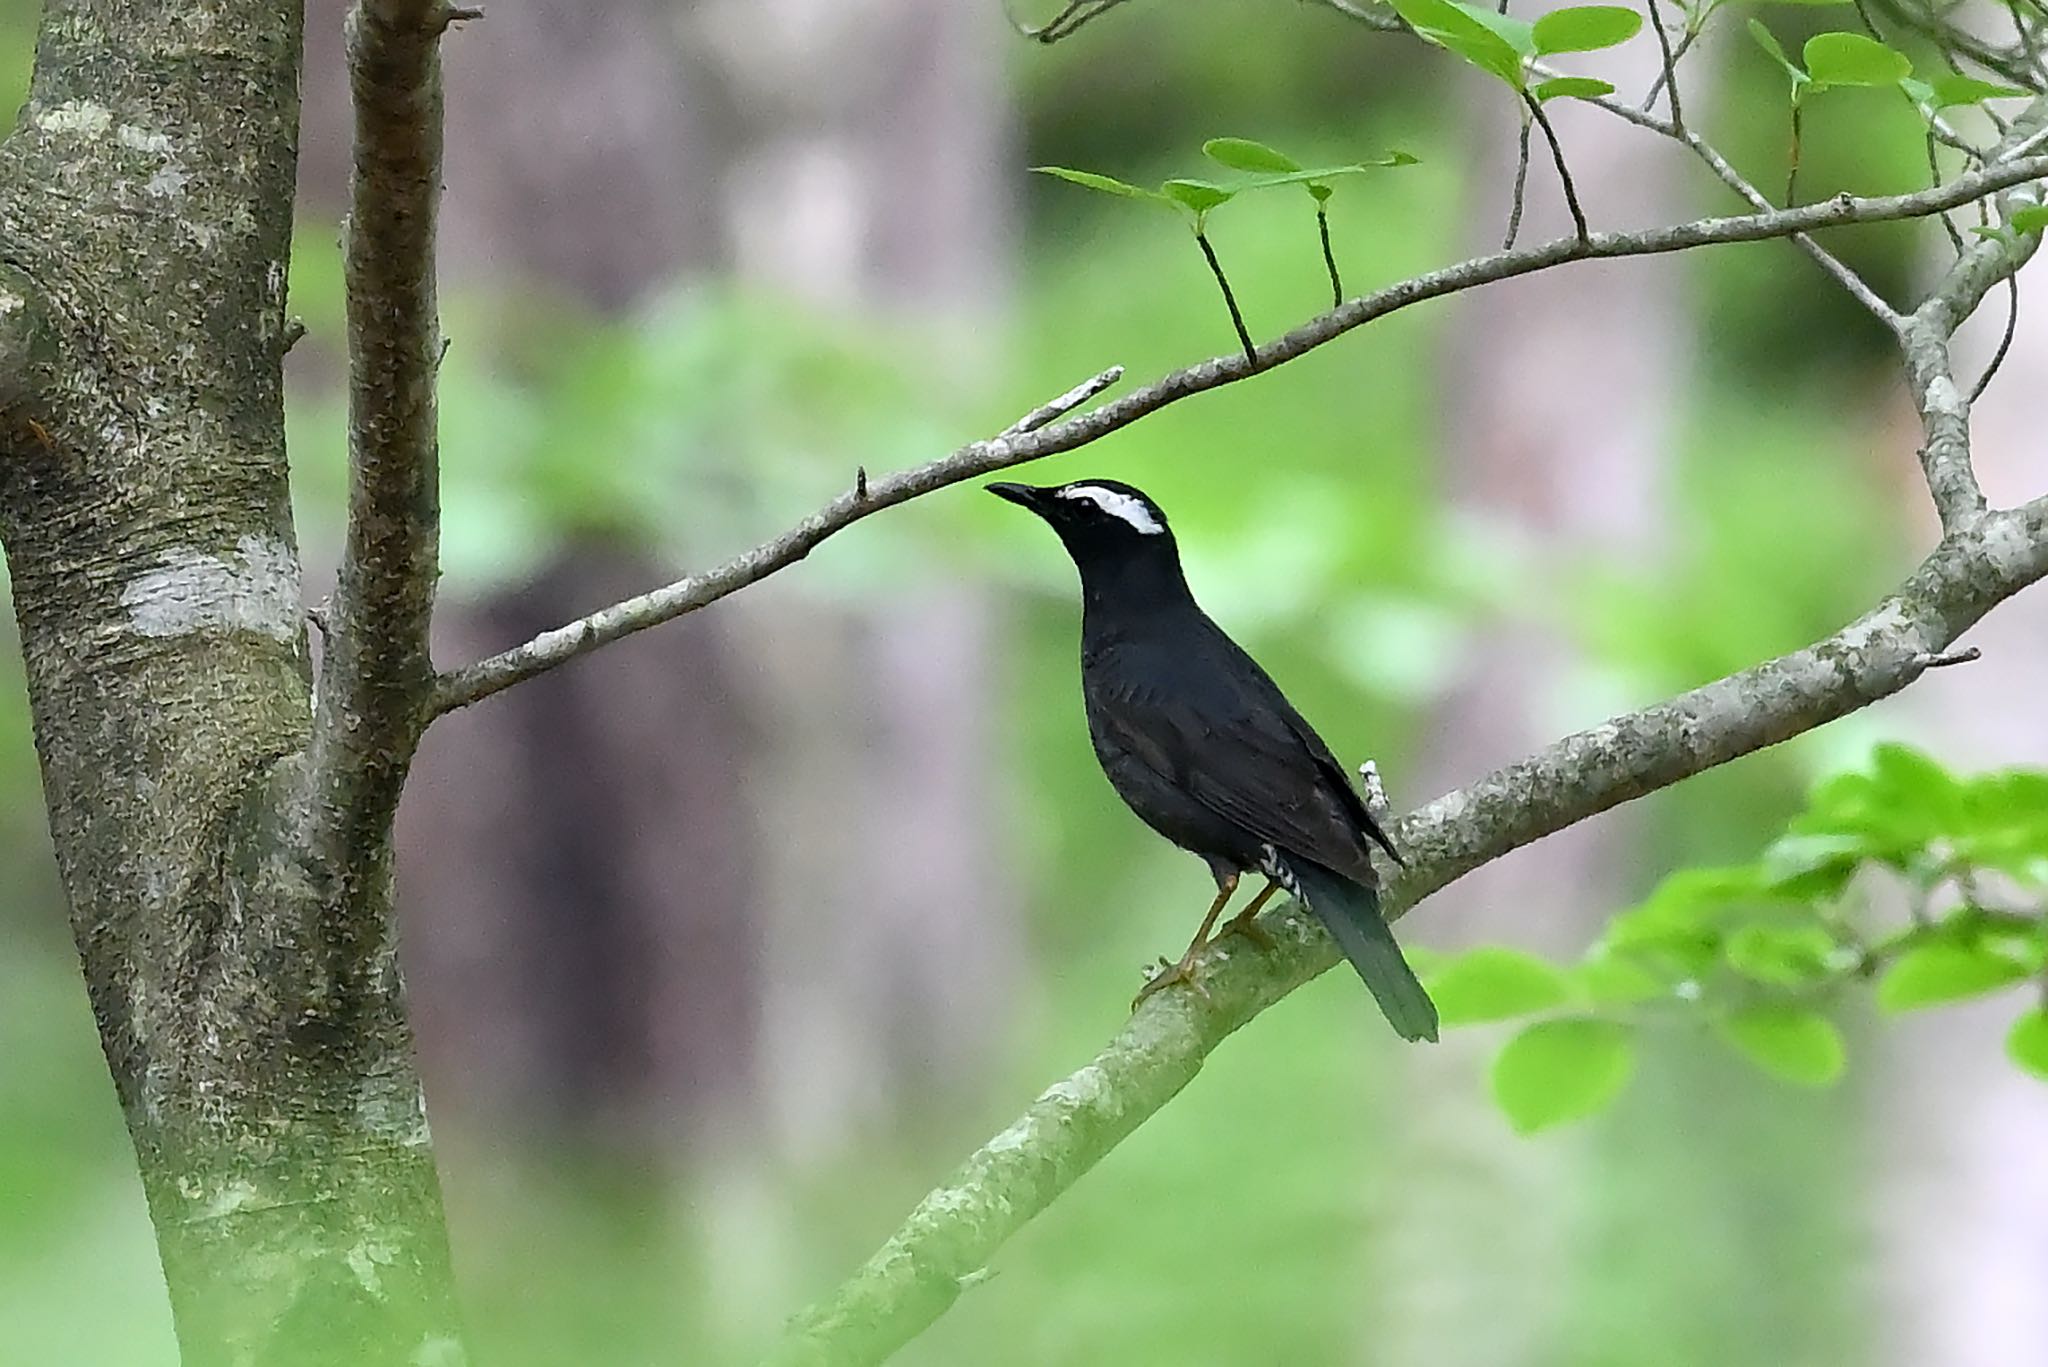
(869, 180)
(578, 864)
(1558, 448)
(1960, 1203)
(611, 929)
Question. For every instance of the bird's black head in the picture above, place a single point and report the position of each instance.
(1102, 521)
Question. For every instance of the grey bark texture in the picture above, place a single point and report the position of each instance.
(240, 971)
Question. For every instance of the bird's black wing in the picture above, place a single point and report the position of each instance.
(1213, 723)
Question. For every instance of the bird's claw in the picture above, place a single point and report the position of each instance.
(1168, 975)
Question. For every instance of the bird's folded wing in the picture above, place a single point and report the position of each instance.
(1244, 760)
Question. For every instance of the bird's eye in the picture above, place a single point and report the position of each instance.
(1121, 506)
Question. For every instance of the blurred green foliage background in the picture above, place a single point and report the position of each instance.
(1290, 1206)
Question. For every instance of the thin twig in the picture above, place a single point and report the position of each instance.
(1564, 175)
(1669, 73)
(1244, 336)
(1792, 168)
(1065, 403)
(1329, 256)
(2012, 323)
(1515, 201)
(557, 647)
(1944, 659)
(1670, 76)
(1954, 234)
(1065, 23)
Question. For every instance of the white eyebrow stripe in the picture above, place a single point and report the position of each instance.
(1131, 510)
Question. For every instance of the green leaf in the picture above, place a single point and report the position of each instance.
(1572, 87)
(1316, 175)
(1197, 196)
(1585, 28)
(1562, 1070)
(2030, 220)
(1811, 867)
(1852, 59)
(1949, 88)
(1519, 34)
(1610, 980)
(1494, 983)
(1452, 27)
(1944, 971)
(2028, 1043)
(1242, 154)
(1769, 44)
(1783, 956)
(1788, 1042)
(1109, 185)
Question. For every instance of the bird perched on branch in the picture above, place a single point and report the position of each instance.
(1207, 751)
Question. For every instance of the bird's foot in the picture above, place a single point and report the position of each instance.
(1169, 974)
(1248, 926)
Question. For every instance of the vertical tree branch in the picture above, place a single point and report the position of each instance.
(377, 675)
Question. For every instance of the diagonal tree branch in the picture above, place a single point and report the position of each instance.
(551, 649)
(376, 673)
(946, 1242)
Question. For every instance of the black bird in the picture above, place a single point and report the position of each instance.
(1203, 746)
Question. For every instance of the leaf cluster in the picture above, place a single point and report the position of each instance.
(1764, 952)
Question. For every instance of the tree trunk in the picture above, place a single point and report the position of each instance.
(245, 988)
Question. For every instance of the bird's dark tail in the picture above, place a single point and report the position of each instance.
(1351, 913)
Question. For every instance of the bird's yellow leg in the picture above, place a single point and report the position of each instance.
(1184, 971)
(1246, 922)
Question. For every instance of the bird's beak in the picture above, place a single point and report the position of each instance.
(1023, 495)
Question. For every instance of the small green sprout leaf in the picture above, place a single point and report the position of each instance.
(2029, 220)
(1769, 44)
(1585, 28)
(1197, 196)
(1494, 983)
(2028, 1043)
(1788, 1042)
(1944, 971)
(1571, 87)
(1455, 28)
(1109, 185)
(1852, 59)
(1242, 154)
(1562, 1070)
(1951, 88)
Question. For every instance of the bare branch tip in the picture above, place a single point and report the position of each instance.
(860, 483)
(1943, 660)
(1066, 403)
(294, 332)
